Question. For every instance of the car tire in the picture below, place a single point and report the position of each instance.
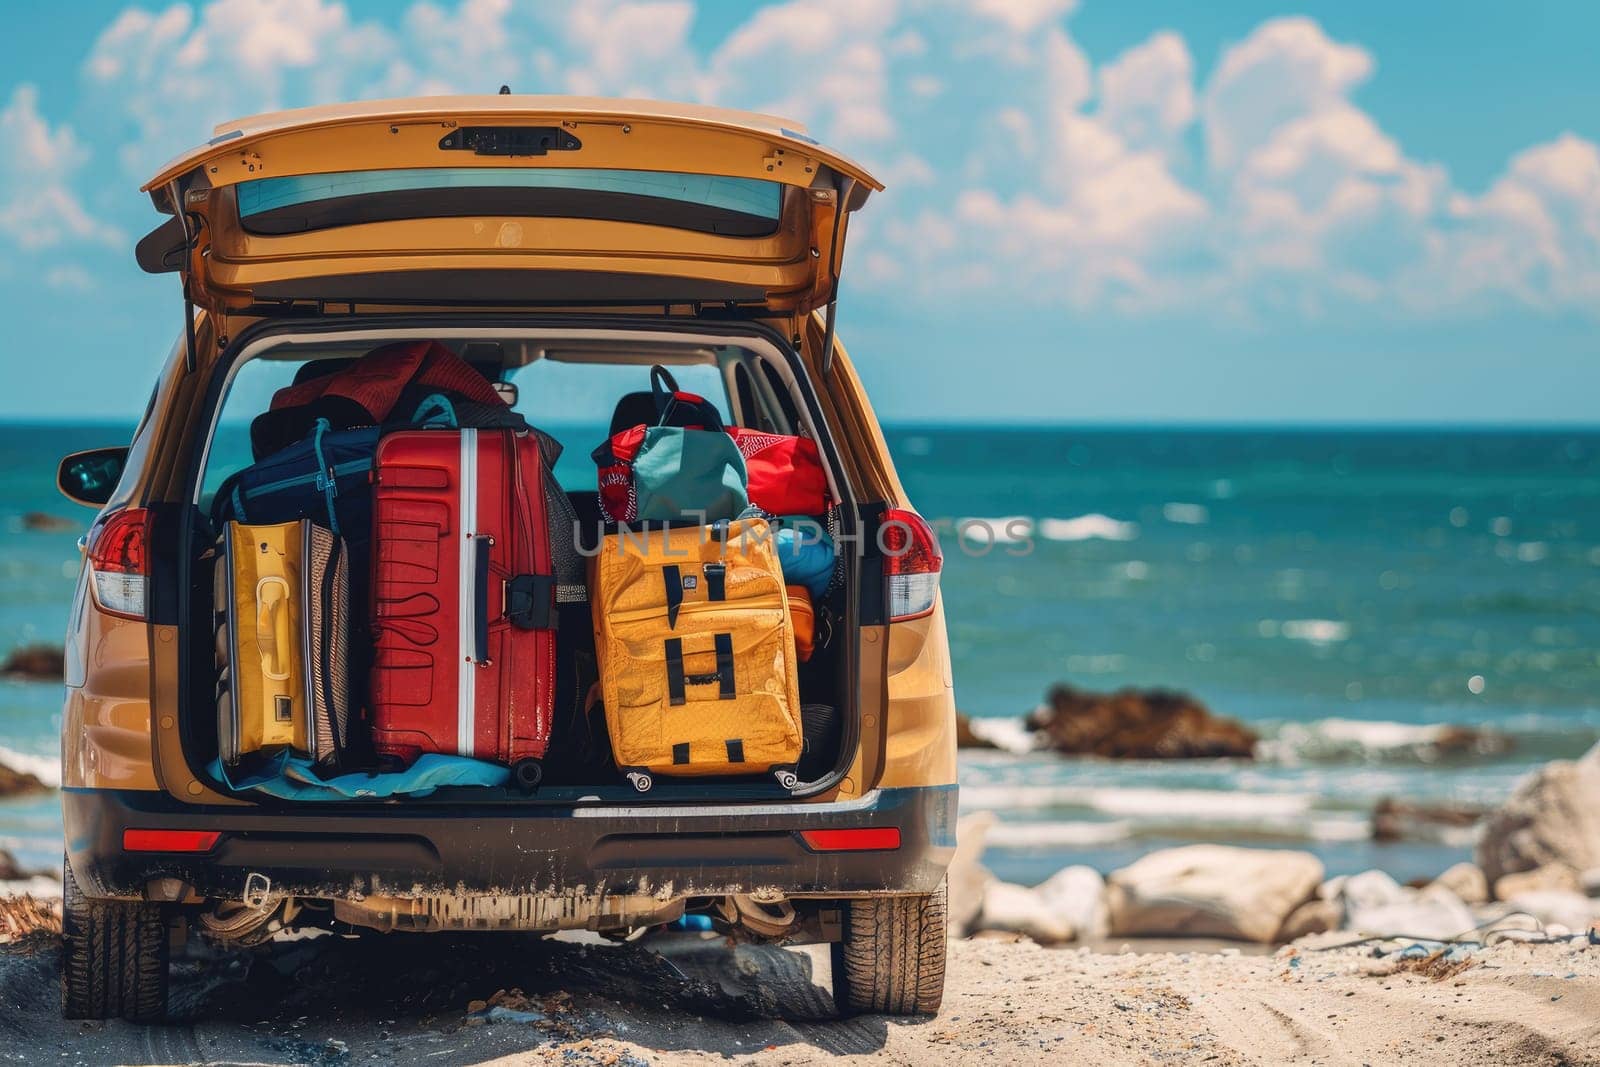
(113, 957)
(890, 960)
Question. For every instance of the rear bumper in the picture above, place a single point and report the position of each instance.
(684, 851)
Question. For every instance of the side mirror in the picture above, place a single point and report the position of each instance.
(89, 478)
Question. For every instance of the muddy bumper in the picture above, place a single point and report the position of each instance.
(684, 851)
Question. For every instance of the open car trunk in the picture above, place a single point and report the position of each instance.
(573, 382)
(507, 200)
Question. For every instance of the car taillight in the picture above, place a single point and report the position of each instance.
(911, 563)
(860, 839)
(134, 840)
(119, 560)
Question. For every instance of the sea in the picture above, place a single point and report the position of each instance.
(1347, 593)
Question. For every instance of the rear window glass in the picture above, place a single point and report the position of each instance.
(738, 207)
(573, 402)
(577, 402)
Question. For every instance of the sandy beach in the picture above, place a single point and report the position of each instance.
(685, 999)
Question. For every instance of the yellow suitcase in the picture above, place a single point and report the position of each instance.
(696, 653)
(282, 650)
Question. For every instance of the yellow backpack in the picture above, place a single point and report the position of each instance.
(696, 653)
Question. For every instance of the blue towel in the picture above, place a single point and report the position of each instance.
(807, 556)
(292, 777)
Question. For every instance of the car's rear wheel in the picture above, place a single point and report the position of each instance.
(113, 957)
(890, 960)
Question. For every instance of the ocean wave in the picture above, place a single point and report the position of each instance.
(979, 531)
(1059, 834)
(917, 445)
(1186, 514)
(1311, 631)
(1328, 829)
(1088, 527)
(1189, 804)
(1357, 740)
(1331, 828)
(45, 768)
(1009, 735)
(38, 886)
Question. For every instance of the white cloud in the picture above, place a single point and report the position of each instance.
(38, 209)
(69, 277)
(1330, 196)
(173, 75)
(1533, 237)
(823, 62)
(1286, 69)
(630, 49)
(1024, 16)
(1015, 164)
(474, 37)
(1147, 93)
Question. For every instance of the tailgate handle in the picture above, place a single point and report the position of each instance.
(509, 140)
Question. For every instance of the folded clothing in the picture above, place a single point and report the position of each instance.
(291, 777)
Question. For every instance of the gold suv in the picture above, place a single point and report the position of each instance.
(562, 246)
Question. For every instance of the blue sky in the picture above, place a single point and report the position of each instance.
(1097, 211)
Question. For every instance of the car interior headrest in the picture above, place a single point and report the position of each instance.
(632, 409)
(313, 369)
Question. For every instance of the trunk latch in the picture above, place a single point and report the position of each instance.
(509, 140)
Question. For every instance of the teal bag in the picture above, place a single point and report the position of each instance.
(683, 467)
(679, 474)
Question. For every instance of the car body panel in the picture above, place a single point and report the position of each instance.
(358, 850)
(793, 269)
(106, 740)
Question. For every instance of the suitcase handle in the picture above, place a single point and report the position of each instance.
(480, 621)
(272, 626)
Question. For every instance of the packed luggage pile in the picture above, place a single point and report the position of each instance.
(402, 598)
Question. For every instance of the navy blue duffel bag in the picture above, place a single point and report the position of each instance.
(327, 478)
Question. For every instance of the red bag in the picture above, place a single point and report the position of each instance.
(366, 393)
(464, 599)
(785, 472)
(614, 458)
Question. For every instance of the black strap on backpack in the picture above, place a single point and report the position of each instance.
(716, 581)
(672, 579)
(677, 681)
(674, 407)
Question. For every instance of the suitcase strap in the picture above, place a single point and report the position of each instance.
(673, 581)
(528, 601)
(678, 682)
(529, 597)
(733, 749)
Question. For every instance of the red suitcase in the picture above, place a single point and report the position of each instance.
(463, 599)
